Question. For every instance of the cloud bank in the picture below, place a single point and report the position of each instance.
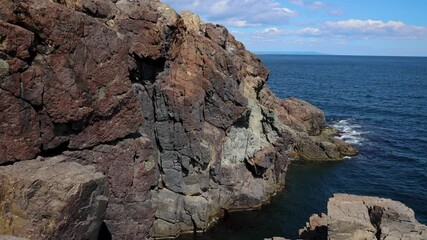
(355, 28)
(245, 13)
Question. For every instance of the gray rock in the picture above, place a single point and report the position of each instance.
(173, 180)
(373, 218)
(52, 199)
(8, 237)
(363, 217)
(4, 68)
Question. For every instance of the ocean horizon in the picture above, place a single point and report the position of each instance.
(260, 53)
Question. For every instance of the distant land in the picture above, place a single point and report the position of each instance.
(325, 54)
(290, 53)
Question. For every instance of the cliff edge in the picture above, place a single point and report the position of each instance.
(173, 111)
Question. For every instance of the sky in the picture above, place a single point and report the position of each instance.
(344, 27)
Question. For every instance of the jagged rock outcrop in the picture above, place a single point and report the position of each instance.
(51, 199)
(175, 112)
(362, 217)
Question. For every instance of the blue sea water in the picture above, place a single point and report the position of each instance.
(380, 105)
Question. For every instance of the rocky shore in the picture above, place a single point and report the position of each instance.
(363, 217)
(127, 117)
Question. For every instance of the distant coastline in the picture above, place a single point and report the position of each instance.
(311, 53)
(288, 53)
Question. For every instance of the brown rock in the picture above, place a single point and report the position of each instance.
(312, 140)
(19, 129)
(305, 117)
(51, 199)
(158, 102)
(73, 80)
(131, 169)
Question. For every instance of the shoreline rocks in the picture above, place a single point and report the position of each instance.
(173, 111)
(363, 217)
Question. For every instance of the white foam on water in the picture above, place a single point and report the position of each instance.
(349, 131)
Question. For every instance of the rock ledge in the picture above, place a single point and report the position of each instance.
(363, 217)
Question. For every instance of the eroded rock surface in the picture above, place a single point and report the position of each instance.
(51, 199)
(175, 112)
(130, 167)
(362, 217)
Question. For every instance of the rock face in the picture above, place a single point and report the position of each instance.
(51, 199)
(175, 112)
(362, 217)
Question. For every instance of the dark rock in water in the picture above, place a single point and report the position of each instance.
(316, 228)
(52, 199)
(362, 217)
(175, 112)
(275, 238)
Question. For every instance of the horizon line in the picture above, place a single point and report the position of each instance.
(309, 53)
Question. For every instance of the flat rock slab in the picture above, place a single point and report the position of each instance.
(354, 216)
(51, 199)
(363, 217)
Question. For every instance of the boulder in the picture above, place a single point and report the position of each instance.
(363, 217)
(49, 198)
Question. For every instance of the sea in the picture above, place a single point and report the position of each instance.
(379, 104)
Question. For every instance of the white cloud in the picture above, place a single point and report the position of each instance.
(310, 4)
(308, 32)
(374, 28)
(273, 30)
(236, 13)
(336, 12)
(332, 9)
(297, 2)
(363, 29)
(242, 23)
(219, 7)
(317, 5)
(286, 12)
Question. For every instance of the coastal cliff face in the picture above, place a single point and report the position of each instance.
(174, 112)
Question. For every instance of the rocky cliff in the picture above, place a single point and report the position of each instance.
(363, 217)
(174, 112)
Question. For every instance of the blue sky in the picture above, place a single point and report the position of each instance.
(348, 27)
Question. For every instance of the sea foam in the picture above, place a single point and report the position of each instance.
(349, 131)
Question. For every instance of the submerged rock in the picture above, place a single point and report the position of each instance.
(51, 199)
(361, 217)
